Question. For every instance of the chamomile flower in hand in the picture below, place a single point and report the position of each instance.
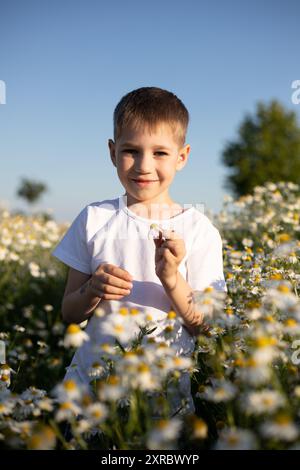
(153, 231)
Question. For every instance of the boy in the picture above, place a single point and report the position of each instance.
(111, 258)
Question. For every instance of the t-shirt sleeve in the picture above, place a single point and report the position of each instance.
(205, 262)
(72, 248)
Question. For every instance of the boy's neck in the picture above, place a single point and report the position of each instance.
(154, 209)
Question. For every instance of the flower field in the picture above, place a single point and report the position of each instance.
(244, 370)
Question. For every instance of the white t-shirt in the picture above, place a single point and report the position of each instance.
(108, 231)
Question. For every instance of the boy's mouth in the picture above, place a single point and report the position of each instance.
(142, 182)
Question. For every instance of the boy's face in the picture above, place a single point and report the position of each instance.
(147, 163)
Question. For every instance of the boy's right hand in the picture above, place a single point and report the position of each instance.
(110, 282)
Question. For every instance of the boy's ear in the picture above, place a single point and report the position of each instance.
(111, 146)
(183, 157)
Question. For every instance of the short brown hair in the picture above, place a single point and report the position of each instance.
(151, 106)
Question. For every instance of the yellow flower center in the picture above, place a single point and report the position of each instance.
(171, 315)
(177, 361)
(284, 289)
(253, 304)
(284, 237)
(169, 329)
(291, 322)
(113, 380)
(232, 440)
(162, 424)
(134, 311)
(270, 319)
(73, 329)
(251, 362)
(142, 368)
(161, 364)
(123, 311)
(96, 364)
(66, 405)
(140, 351)
(70, 385)
(220, 392)
(199, 425)
(239, 362)
(267, 401)
(208, 289)
(129, 354)
(118, 328)
(97, 413)
(35, 441)
(282, 419)
(276, 277)
(86, 400)
(264, 341)
(151, 341)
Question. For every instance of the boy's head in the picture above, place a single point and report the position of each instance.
(150, 126)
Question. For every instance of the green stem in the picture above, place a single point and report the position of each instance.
(58, 433)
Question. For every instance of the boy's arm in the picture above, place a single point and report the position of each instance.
(169, 253)
(78, 302)
(180, 294)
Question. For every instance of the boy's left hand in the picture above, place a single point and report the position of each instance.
(169, 252)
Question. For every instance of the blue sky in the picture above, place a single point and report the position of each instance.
(66, 64)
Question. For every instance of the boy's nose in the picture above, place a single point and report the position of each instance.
(144, 164)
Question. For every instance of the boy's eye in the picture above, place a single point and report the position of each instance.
(132, 151)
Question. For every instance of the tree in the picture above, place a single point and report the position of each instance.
(267, 149)
(31, 190)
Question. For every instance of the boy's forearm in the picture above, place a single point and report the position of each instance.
(79, 305)
(180, 294)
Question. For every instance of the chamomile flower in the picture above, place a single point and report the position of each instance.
(260, 402)
(96, 412)
(164, 434)
(221, 391)
(280, 428)
(34, 269)
(111, 389)
(199, 428)
(253, 373)
(121, 328)
(68, 390)
(210, 302)
(144, 378)
(67, 410)
(42, 438)
(6, 407)
(5, 373)
(154, 231)
(75, 336)
(96, 370)
(236, 439)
